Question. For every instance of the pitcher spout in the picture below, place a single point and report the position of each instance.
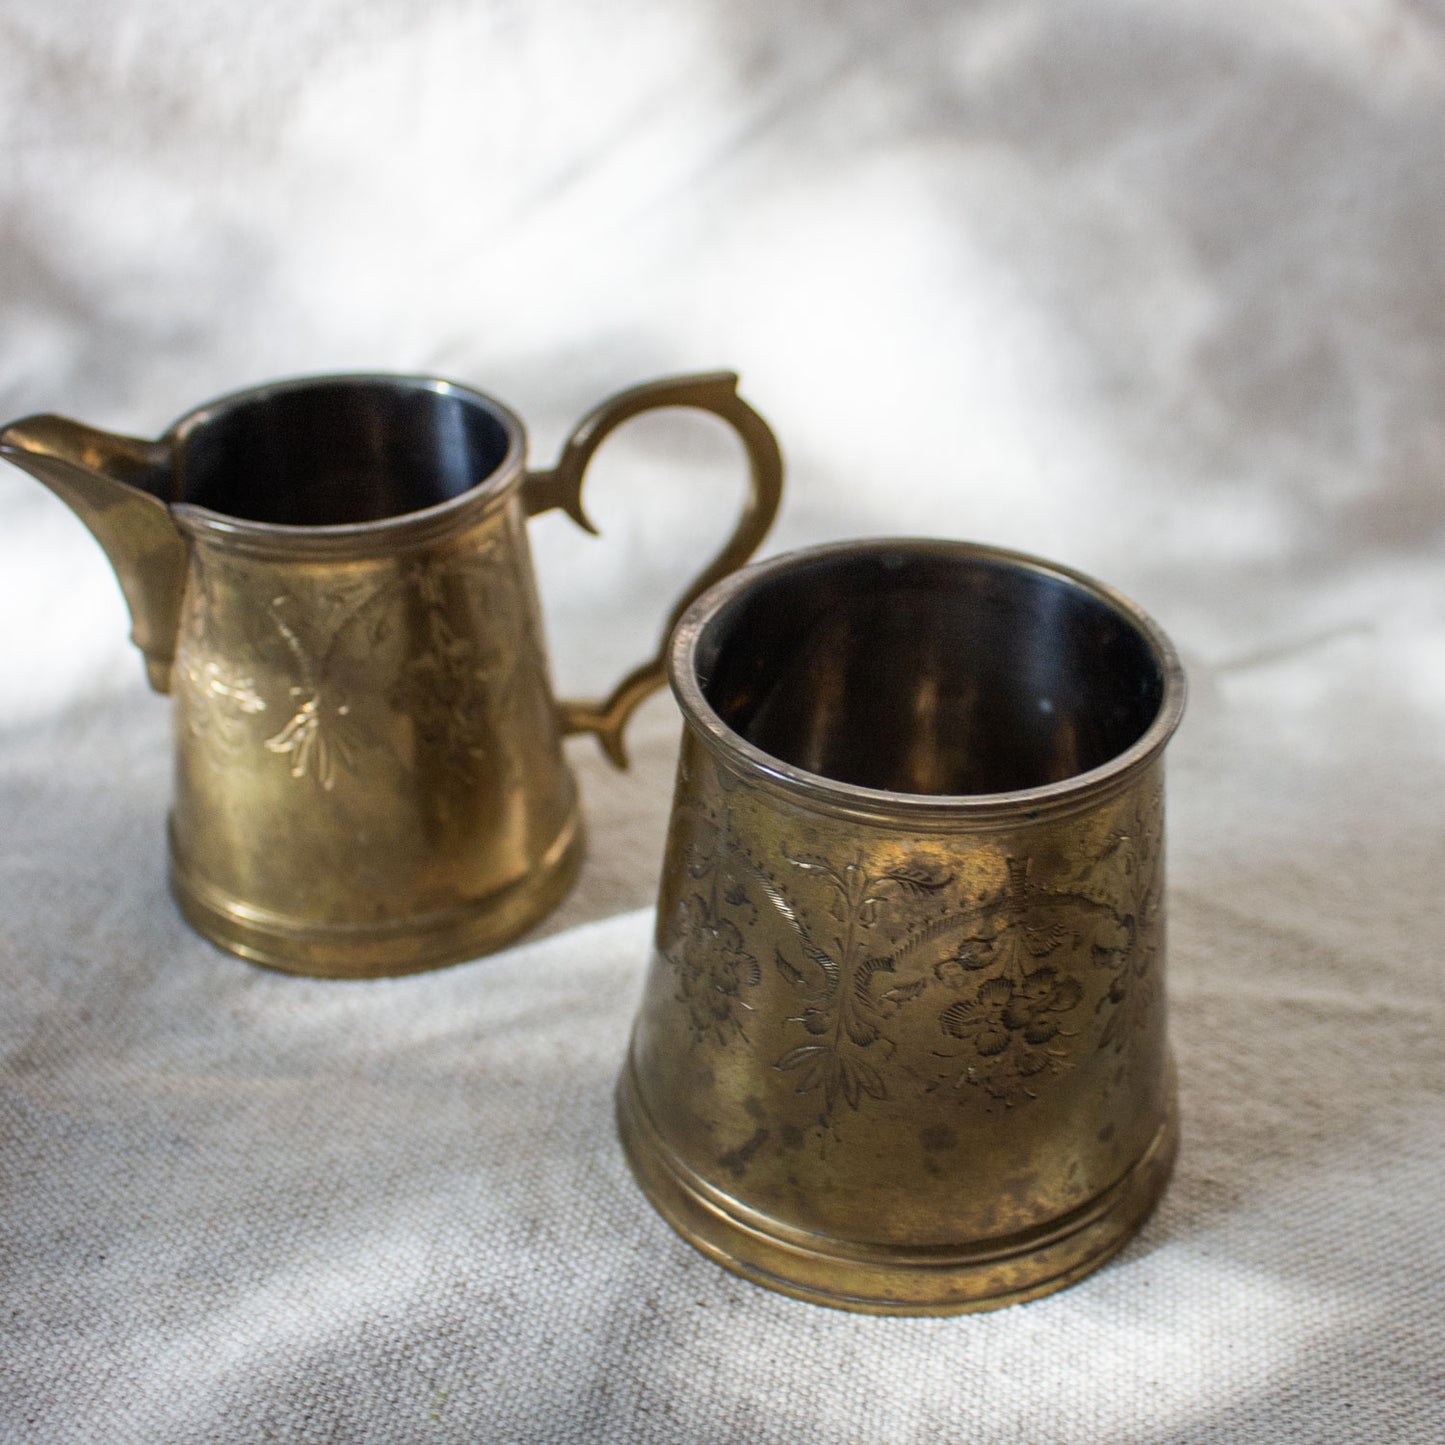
(117, 486)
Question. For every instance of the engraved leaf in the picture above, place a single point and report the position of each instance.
(303, 660)
(812, 863)
(860, 1030)
(803, 1054)
(726, 932)
(995, 993)
(824, 962)
(935, 928)
(735, 893)
(917, 880)
(957, 1019)
(863, 976)
(1041, 942)
(1031, 1062)
(869, 1079)
(1110, 1031)
(788, 971)
(904, 992)
(975, 953)
(780, 903)
(293, 735)
(992, 1040)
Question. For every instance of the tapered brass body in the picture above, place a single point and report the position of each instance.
(332, 577)
(902, 1047)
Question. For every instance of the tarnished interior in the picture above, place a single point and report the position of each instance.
(930, 672)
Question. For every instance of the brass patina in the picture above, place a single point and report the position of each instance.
(902, 1046)
(332, 578)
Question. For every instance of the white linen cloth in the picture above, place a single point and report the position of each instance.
(1157, 292)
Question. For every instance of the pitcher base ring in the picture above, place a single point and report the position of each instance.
(889, 1280)
(381, 950)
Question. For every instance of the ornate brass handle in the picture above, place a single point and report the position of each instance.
(561, 486)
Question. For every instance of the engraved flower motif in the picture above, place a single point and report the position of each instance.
(214, 681)
(314, 741)
(971, 956)
(218, 701)
(443, 689)
(1011, 1024)
(712, 968)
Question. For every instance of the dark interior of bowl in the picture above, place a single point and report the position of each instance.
(341, 451)
(921, 671)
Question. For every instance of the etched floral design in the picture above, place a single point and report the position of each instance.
(316, 738)
(455, 681)
(1015, 1025)
(999, 968)
(709, 958)
(219, 701)
(1011, 1021)
(443, 689)
(713, 967)
(216, 699)
(314, 746)
(1015, 930)
(842, 1017)
(1130, 957)
(460, 681)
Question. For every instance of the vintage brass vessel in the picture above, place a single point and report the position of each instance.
(332, 577)
(902, 1046)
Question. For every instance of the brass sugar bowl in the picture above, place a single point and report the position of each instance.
(902, 1045)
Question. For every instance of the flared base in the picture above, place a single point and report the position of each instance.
(382, 950)
(889, 1279)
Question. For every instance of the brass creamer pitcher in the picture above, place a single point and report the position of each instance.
(332, 578)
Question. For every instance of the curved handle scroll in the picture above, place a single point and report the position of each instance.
(561, 487)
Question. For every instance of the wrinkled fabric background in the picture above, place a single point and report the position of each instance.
(1158, 291)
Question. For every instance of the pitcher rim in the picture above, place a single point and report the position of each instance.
(329, 537)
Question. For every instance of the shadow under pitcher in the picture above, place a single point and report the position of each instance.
(902, 1046)
(331, 576)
